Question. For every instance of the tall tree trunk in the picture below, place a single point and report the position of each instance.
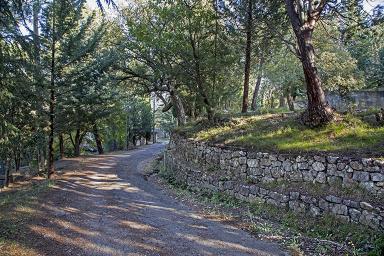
(199, 78)
(99, 144)
(290, 102)
(248, 49)
(36, 36)
(215, 7)
(61, 145)
(77, 142)
(17, 160)
(52, 101)
(257, 85)
(179, 108)
(272, 101)
(193, 109)
(7, 173)
(128, 138)
(318, 111)
(281, 101)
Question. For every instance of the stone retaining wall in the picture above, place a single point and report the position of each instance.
(246, 175)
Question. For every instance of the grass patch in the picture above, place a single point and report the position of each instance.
(17, 207)
(326, 227)
(24, 195)
(284, 133)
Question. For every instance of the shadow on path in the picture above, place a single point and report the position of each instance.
(102, 205)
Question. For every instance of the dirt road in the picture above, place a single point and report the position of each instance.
(102, 205)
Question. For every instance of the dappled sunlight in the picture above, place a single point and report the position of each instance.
(69, 225)
(26, 209)
(219, 243)
(93, 210)
(136, 225)
(77, 242)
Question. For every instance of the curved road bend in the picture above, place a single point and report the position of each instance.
(104, 206)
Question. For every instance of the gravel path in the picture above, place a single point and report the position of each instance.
(102, 205)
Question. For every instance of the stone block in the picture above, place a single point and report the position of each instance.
(318, 166)
(294, 176)
(300, 159)
(263, 191)
(303, 166)
(331, 169)
(332, 159)
(321, 177)
(369, 219)
(253, 190)
(252, 163)
(340, 166)
(244, 190)
(242, 160)
(333, 199)
(319, 159)
(265, 162)
(307, 176)
(360, 176)
(351, 203)
(324, 205)
(277, 172)
(314, 211)
(287, 166)
(294, 195)
(354, 214)
(366, 161)
(377, 177)
(366, 206)
(339, 209)
(276, 164)
(356, 165)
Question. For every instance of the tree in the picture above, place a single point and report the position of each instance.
(248, 50)
(304, 15)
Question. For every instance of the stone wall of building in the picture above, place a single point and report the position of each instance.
(361, 100)
(246, 175)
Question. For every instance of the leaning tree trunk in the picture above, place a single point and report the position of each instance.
(318, 111)
(99, 144)
(247, 67)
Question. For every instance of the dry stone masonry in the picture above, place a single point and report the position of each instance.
(246, 175)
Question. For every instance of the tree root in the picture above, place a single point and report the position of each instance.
(318, 116)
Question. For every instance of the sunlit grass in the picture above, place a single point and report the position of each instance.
(277, 133)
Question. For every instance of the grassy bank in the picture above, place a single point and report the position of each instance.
(284, 133)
